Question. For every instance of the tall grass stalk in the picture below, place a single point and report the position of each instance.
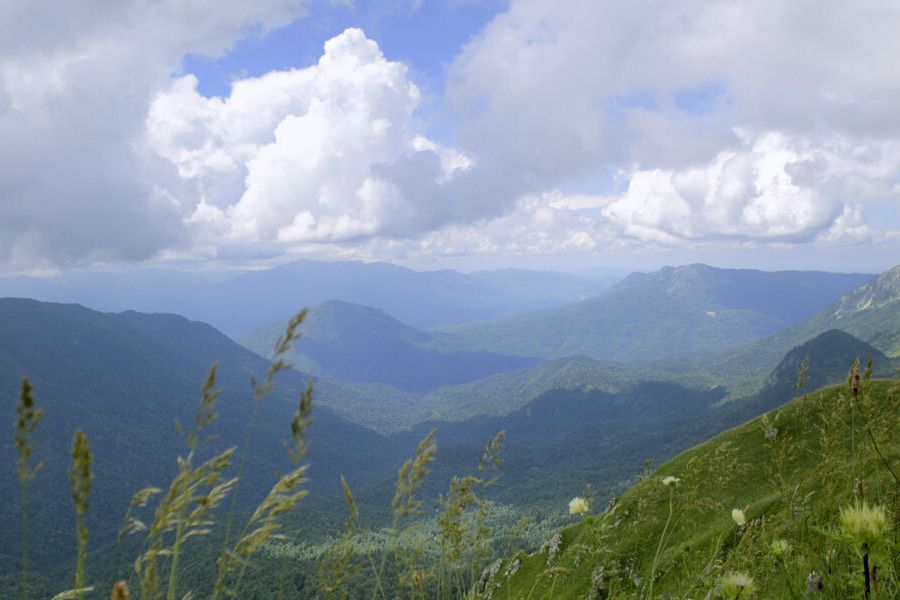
(787, 578)
(336, 568)
(187, 506)
(662, 539)
(199, 520)
(260, 391)
(27, 421)
(265, 523)
(862, 413)
(283, 496)
(81, 480)
(405, 504)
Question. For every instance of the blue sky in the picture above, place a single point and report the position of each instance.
(466, 133)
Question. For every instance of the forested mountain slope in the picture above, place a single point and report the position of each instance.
(363, 344)
(870, 312)
(663, 314)
(124, 379)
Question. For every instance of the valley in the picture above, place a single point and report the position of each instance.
(380, 386)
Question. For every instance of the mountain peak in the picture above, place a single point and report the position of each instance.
(881, 291)
(830, 356)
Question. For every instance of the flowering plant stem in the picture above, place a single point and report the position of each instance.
(787, 578)
(662, 539)
(865, 559)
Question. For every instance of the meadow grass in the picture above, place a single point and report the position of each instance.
(801, 502)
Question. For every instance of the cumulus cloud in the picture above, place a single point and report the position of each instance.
(774, 188)
(568, 73)
(329, 153)
(76, 82)
(729, 121)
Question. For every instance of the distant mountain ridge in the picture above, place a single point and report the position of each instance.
(241, 304)
(870, 313)
(673, 311)
(881, 292)
(363, 344)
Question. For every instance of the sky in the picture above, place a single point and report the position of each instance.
(564, 134)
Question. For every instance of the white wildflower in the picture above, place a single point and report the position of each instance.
(512, 568)
(578, 506)
(552, 546)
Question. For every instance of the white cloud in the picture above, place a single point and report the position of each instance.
(328, 153)
(537, 225)
(774, 188)
(76, 81)
(728, 122)
(565, 89)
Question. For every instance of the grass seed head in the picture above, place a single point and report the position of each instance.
(863, 524)
(737, 585)
(578, 506)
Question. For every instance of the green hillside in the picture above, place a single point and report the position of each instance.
(825, 359)
(362, 344)
(663, 314)
(790, 472)
(870, 312)
(124, 379)
(506, 392)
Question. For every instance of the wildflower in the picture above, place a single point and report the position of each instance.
(578, 506)
(780, 548)
(596, 584)
(864, 524)
(494, 568)
(814, 583)
(770, 431)
(551, 546)
(737, 585)
(512, 568)
(738, 516)
(671, 481)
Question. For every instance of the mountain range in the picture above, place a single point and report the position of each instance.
(381, 385)
(671, 312)
(239, 304)
(870, 312)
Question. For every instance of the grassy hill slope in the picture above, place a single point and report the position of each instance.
(790, 472)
